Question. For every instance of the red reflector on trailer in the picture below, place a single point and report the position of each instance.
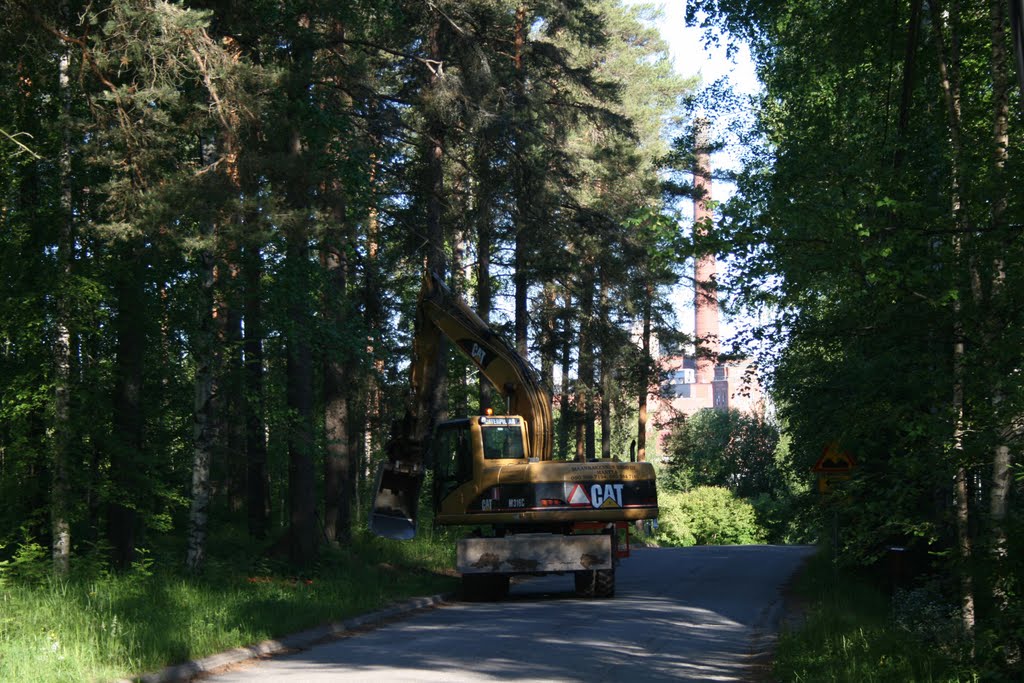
(551, 502)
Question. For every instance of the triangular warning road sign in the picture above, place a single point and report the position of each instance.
(578, 497)
(833, 460)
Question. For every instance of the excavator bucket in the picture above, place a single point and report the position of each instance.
(396, 501)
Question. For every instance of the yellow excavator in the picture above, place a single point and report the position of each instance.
(533, 514)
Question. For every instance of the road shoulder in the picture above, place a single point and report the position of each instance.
(297, 642)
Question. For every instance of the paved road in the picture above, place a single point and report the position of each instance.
(680, 614)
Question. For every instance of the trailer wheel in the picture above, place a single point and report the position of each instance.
(484, 587)
(586, 580)
(604, 583)
(599, 583)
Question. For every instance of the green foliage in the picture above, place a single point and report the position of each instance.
(142, 566)
(846, 629)
(726, 448)
(673, 523)
(878, 221)
(102, 627)
(219, 205)
(744, 454)
(926, 613)
(29, 564)
(707, 515)
(788, 517)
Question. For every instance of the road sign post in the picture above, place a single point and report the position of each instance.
(833, 467)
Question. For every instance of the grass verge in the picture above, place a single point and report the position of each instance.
(853, 632)
(111, 626)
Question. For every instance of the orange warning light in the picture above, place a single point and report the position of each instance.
(488, 411)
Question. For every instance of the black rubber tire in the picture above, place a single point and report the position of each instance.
(484, 587)
(598, 583)
(500, 586)
(586, 583)
(604, 583)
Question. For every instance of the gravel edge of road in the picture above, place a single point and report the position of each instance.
(788, 611)
(303, 640)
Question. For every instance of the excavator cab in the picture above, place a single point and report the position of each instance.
(459, 448)
(502, 438)
(453, 457)
(462, 447)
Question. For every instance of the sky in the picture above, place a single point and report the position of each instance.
(691, 58)
(688, 52)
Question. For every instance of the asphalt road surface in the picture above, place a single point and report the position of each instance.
(679, 614)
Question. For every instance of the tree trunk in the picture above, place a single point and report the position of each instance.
(964, 546)
(549, 345)
(605, 367)
(520, 278)
(299, 391)
(229, 412)
(437, 262)
(204, 427)
(257, 482)
(302, 498)
(520, 296)
(62, 429)
(606, 409)
(645, 378)
(126, 459)
(1017, 32)
(949, 79)
(483, 292)
(458, 278)
(374, 316)
(564, 403)
(585, 446)
(1002, 460)
(907, 90)
(337, 461)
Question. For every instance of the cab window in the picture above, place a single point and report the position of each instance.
(454, 458)
(503, 442)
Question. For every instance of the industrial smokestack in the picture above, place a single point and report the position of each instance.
(705, 300)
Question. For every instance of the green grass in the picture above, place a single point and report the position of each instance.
(854, 633)
(106, 627)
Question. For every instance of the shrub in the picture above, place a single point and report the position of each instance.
(673, 523)
(789, 518)
(30, 564)
(707, 515)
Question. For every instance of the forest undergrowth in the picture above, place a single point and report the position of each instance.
(100, 626)
(847, 627)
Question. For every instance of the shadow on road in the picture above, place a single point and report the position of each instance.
(679, 615)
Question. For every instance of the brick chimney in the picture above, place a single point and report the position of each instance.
(705, 300)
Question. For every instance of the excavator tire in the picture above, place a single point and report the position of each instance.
(484, 587)
(599, 583)
(586, 580)
(604, 584)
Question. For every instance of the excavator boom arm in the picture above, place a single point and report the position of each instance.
(512, 375)
(440, 314)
